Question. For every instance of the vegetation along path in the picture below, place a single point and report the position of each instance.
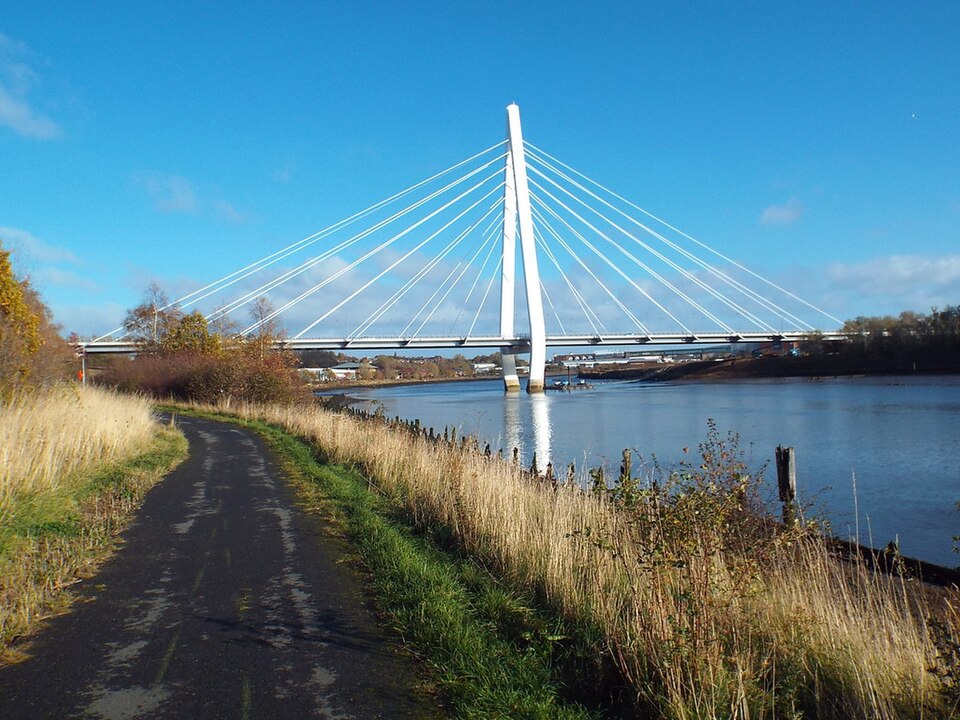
(224, 601)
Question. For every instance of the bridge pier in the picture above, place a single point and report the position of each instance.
(511, 380)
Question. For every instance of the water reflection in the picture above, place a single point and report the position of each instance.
(527, 418)
(542, 430)
(512, 424)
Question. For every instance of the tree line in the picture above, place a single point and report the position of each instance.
(179, 355)
(928, 342)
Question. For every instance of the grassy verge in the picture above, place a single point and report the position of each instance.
(492, 651)
(707, 608)
(59, 530)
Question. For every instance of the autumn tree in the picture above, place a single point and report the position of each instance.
(31, 349)
(19, 328)
(190, 334)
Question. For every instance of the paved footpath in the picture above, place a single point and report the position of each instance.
(225, 601)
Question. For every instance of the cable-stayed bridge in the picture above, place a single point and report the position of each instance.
(418, 269)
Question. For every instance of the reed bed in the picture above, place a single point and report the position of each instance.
(707, 608)
(48, 435)
(74, 465)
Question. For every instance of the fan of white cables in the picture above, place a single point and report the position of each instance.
(426, 261)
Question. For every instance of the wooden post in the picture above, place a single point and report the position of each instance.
(787, 482)
(625, 466)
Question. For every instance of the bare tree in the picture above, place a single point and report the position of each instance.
(152, 320)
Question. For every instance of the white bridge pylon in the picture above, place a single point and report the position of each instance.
(516, 210)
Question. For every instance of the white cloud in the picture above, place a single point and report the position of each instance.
(17, 82)
(58, 277)
(172, 194)
(88, 321)
(787, 214)
(901, 276)
(177, 195)
(888, 285)
(33, 248)
(283, 175)
(229, 212)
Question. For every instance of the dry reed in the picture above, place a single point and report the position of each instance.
(47, 435)
(65, 491)
(701, 623)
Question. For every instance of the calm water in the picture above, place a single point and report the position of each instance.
(895, 440)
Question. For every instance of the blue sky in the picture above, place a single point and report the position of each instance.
(174, 142)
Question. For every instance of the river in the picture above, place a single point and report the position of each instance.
(887, 447)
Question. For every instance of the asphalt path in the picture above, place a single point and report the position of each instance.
(225, 600)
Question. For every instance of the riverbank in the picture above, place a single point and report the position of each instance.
(766, 367)
(719, 595)
(335, 386)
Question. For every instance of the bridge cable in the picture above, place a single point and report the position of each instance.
(483, 300)
(663, 258)
(369, 254)
(290, 274)
(485, 236)
(619, 303)
(319, 235)
(616, 268)
(690, 237)
(408, 254)
(268, 260)
(576, 294)
(490, 239)
(412, 282)
(767, 304)
(443, 283)
(690, 301)
(543, 289)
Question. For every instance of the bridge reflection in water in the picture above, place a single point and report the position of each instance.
(514, 423)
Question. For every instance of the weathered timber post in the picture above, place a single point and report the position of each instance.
(787, 482)
(572, 473)
(534, 470)
(626, 466)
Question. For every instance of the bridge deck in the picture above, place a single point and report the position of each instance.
(516, 344)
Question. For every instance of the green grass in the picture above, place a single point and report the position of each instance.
(492, 652)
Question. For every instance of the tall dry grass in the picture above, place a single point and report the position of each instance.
(706, 614)
(74, 465)
(47, 435)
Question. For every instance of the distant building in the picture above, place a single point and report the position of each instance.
(484, 367)
(345, 371)
(576, 359)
